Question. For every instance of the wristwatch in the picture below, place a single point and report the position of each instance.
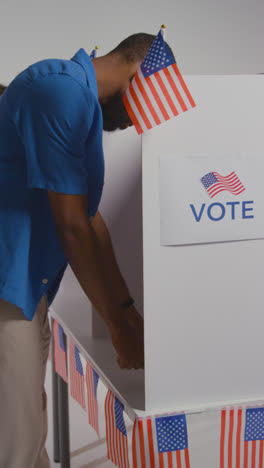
(128, 303)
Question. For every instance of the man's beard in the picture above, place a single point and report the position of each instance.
(115, 115)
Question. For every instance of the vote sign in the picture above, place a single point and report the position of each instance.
(211, 199)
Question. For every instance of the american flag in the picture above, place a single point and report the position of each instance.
(60, 357)
(92, 379)
(158, 90)
(93, 54)
(76, 375)
(160, 442)
(215, 183)
(242, 438)
(116, 434)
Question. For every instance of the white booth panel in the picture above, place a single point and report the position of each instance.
(203, 304)
(121, 208)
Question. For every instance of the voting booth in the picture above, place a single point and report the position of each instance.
(184, 204)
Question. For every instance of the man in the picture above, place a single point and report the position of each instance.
(51, 179)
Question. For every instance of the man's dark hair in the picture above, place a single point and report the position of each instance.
(2, 88)
(134, 48)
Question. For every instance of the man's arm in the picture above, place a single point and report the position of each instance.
(118, 284)
(85, 256)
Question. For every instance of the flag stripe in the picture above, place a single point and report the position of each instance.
(175, 89)
(60, 358)
(214, 190)
(143, 103)
(238, 437)
(150, 96)
(147, 100)
(132, 114)
(234, 186)
(160, 93)
(261, 454)
(157, 98)
(187, 459)
(142, 445)
(107, 419)
(253, 455)
(186, 90)
(228, 177)
(173, 96)
(230, 182)
(230, 439)
(151, 446)
(166, 94)
(136, 111)
(161, 460)
(245, 454)
(134, 448)
(222, 439)
(76, 379)
(117, 447)
(180, 88)
(140, 108)
(93, 416)
(178, 455)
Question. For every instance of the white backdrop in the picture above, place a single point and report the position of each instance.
(207, 36)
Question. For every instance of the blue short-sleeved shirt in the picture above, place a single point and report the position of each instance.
(50, 139)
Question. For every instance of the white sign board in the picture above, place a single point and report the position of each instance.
(211, 199)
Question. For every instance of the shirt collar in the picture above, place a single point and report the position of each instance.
(85, 61)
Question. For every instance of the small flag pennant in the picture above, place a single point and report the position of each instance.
(93, 54)
(242, 438)
(215, 183)
(60, 357)
(161, 441)
(92, 379)
(116, 434)
(76, 375)
(158, 91)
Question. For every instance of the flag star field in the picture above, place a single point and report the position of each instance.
(254, 429)
(119, 418)
(157, 58)
(171, 433)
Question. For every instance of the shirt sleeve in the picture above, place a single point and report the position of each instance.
(53, 121)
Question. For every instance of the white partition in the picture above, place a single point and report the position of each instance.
(121, 208)
(204, 304)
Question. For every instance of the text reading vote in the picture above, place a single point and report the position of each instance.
(217, 211)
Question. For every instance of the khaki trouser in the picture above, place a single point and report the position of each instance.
(24, 348)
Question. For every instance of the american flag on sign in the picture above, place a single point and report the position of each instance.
(60, 358)
(116, 434)
(92, 379)
(158, 90)
(160, 442)
(76, 375)
(215, 183)
(242, 438)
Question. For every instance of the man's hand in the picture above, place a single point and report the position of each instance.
(128, 340)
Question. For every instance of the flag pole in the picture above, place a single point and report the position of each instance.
(163, 28)
(96, 51)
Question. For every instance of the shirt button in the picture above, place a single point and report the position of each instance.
(45, 281)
